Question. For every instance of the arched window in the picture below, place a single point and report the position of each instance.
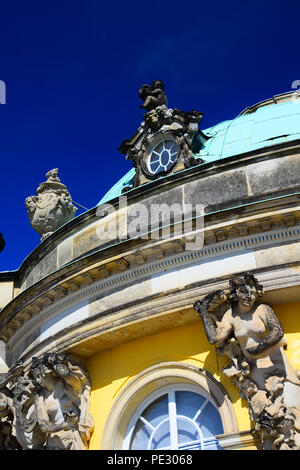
(170, 405)
(177, 417)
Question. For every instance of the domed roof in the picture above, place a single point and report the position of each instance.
(270, 122)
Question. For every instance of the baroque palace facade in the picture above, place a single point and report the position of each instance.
(166, 317)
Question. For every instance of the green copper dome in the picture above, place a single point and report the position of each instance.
(270, 122)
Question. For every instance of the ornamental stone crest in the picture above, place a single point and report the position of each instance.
(251, 336)
(167, 141)
(46, 407)
(51, 207)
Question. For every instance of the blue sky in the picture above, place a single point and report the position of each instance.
(72, 70)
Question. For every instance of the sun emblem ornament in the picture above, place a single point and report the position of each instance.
(166, 142)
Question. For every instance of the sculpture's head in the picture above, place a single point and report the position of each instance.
(24, 392)
(52, 175)
(41, 373)
(45, 370)
(158, 84)
(245, 289)
(144, 91)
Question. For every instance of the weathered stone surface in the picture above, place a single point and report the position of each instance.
(104, 232)
(6, 293)
(65, 252)
(218, 190)
(46, 265)
(118, 297)
(155, 211)
(15, 349)
(277, 255)
(278, 174)
(225, 189)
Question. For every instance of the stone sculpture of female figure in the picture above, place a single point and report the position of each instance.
(61, 402)
(252, 336)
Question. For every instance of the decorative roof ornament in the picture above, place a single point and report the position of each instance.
(167, 140)
(153, 96)
(51, 207)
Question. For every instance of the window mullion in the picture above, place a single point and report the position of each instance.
(200, 410)
(173, 420)
(146, 423)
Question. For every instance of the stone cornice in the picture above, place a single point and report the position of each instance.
(68, 286)
(149, 316)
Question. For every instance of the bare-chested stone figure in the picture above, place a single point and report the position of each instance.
(251, 335)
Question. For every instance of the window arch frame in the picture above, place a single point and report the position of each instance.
(152, 379)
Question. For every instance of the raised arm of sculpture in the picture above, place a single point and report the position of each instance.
(216, 331)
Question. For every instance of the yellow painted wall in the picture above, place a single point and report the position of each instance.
(111, 370)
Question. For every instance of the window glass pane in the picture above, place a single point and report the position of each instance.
(154, 166)
(161, 436)
(150, 423)
(188, 403)
(165, 153)
(196, 423)
(157, 411)
(168, 144)
(209, 421)
(140, 437)
(159, 148)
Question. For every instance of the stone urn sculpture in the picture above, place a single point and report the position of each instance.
(51, 207)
